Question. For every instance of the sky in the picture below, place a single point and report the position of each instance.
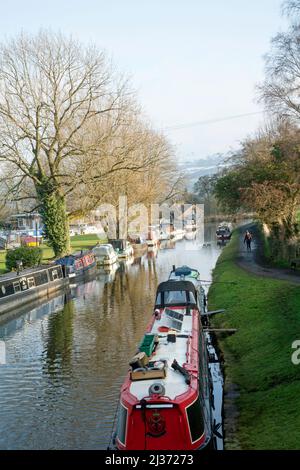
(190, 61)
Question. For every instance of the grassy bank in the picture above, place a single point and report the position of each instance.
(79, 242)
(258, 356)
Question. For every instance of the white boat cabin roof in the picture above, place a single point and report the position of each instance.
(174, 382)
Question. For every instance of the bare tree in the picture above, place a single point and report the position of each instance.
(280, 91)
(52, 91)
(141, 167)
(291, 8)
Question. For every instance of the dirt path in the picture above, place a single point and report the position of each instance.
(253, 263)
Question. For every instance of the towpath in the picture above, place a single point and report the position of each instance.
(253, 261)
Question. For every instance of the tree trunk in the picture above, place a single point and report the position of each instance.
(55, 218)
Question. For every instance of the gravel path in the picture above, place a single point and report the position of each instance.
(252, 261)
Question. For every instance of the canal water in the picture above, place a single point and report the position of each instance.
(64, 361)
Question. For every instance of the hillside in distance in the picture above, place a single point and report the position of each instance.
(193, 169)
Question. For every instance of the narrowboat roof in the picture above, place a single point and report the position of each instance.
(174, 285)
(68, 260)
(118, 243)
(185, 271)
(174, 382)
(25, 272)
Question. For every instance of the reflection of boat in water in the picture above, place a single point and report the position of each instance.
(152, 252)
(153, 237)
(222, 243)
(124, 265)
(108, 273)
(166, 399)
(190, 235)
(163, 236)
(2, 352)
(128, 262)
(178, 234)
(164, 230)
(56, 304)
(190, 230)
(167, 245)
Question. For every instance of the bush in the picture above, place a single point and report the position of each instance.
(30, 256)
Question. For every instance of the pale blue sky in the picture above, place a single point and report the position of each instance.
(192, 60)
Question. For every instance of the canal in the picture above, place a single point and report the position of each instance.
(63, 362)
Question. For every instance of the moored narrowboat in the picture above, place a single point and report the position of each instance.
(105, 254)
(77, 264)
(166, 399)
(138, 243)
(123, 248)
(224, 232)
(29, 285)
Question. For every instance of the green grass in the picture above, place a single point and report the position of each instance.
(2, 261)
(79, 242)
(266, 313)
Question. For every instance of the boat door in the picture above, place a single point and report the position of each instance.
(157, 427)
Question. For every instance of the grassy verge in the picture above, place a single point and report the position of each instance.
(258, 356)
(79, 242)
(2, 261)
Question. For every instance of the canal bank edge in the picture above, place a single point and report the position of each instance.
(262, 386)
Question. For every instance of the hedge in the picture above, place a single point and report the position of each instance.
(30, 257)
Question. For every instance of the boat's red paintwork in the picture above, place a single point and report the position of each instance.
(162, 428)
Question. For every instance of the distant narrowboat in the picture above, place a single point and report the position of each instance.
(77, 264)
(123, 248)
(138, 243)
(224, 231)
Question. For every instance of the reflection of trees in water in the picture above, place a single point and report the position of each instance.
(112, 324)
(60, 339)
(210, 232)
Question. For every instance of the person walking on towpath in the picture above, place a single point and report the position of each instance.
(248, 240)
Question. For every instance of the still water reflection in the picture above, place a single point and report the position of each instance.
(66, 359)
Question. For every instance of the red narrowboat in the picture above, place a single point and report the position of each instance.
(166, 399)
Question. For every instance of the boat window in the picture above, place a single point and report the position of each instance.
(192, 299)
(23, 283)
(174, 314)
(121, 425)
(176, 296)
(54, 274)
(158, 299)
(78, 264)
(31, 282)
(101, 250)
(118, 244)
(41, 278)
(195, 420)
(17, 286)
